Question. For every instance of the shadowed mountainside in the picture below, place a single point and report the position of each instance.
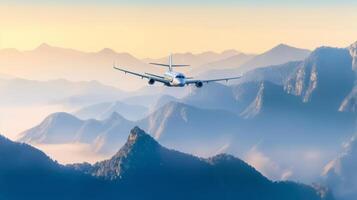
(140, 163)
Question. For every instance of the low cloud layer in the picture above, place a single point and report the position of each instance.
(266, 165)
(340, 173)
(71, 153)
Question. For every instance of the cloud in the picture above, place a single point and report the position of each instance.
(286, 175)
(71, 153)
(266, 165)
(223, 149)
(15, 119)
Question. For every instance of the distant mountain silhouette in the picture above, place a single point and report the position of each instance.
(48, 62)
(277, 74)
(59, 128)
(102, 111)
(278, 55)
(284, 56)
(196, 60)
(224, 63)
(56, 128)
(63, 92)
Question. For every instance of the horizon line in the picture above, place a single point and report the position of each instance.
(44, 44)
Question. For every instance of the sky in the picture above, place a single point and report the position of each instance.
(156, 28)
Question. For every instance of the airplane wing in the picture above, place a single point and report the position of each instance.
(155, 75)
(147, 76)
(188, 82)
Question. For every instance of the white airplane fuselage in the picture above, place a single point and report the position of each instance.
(176, 79)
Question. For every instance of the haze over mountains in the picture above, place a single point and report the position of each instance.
(280, 54)
(59, 79)
(140, 163)
(340, 172)
(47, 62)
(196, 60)
(21, 92)
(281, 106)
(60, 128)
(224, 63)
(24, 103)
(274, 114)
(102, 111)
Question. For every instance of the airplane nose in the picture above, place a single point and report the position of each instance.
(181, 82)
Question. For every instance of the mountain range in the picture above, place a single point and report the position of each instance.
(177, 120)
(49, 62)
(232, 61)
(278, 55)
(23, 92)
(102, 111)
(297, 103)
(60, 128)
(196, 59)
(142, 163)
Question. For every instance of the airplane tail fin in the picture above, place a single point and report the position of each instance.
(170, 65)
(170, 62)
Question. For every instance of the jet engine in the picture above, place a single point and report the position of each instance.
(199, 84)
(151, 81)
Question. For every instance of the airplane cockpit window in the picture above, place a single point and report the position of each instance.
(180, 76)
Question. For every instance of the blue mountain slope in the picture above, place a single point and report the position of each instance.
(27, 173)
(324, 79)
(59, 128)
(280, 54)
(186, 176)
(142, 163)
(190, 128)
(339, 174)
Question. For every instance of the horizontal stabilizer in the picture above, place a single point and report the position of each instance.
(166, 65)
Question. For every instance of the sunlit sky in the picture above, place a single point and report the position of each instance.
(154, 28)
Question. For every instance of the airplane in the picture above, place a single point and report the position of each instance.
(172, 78)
